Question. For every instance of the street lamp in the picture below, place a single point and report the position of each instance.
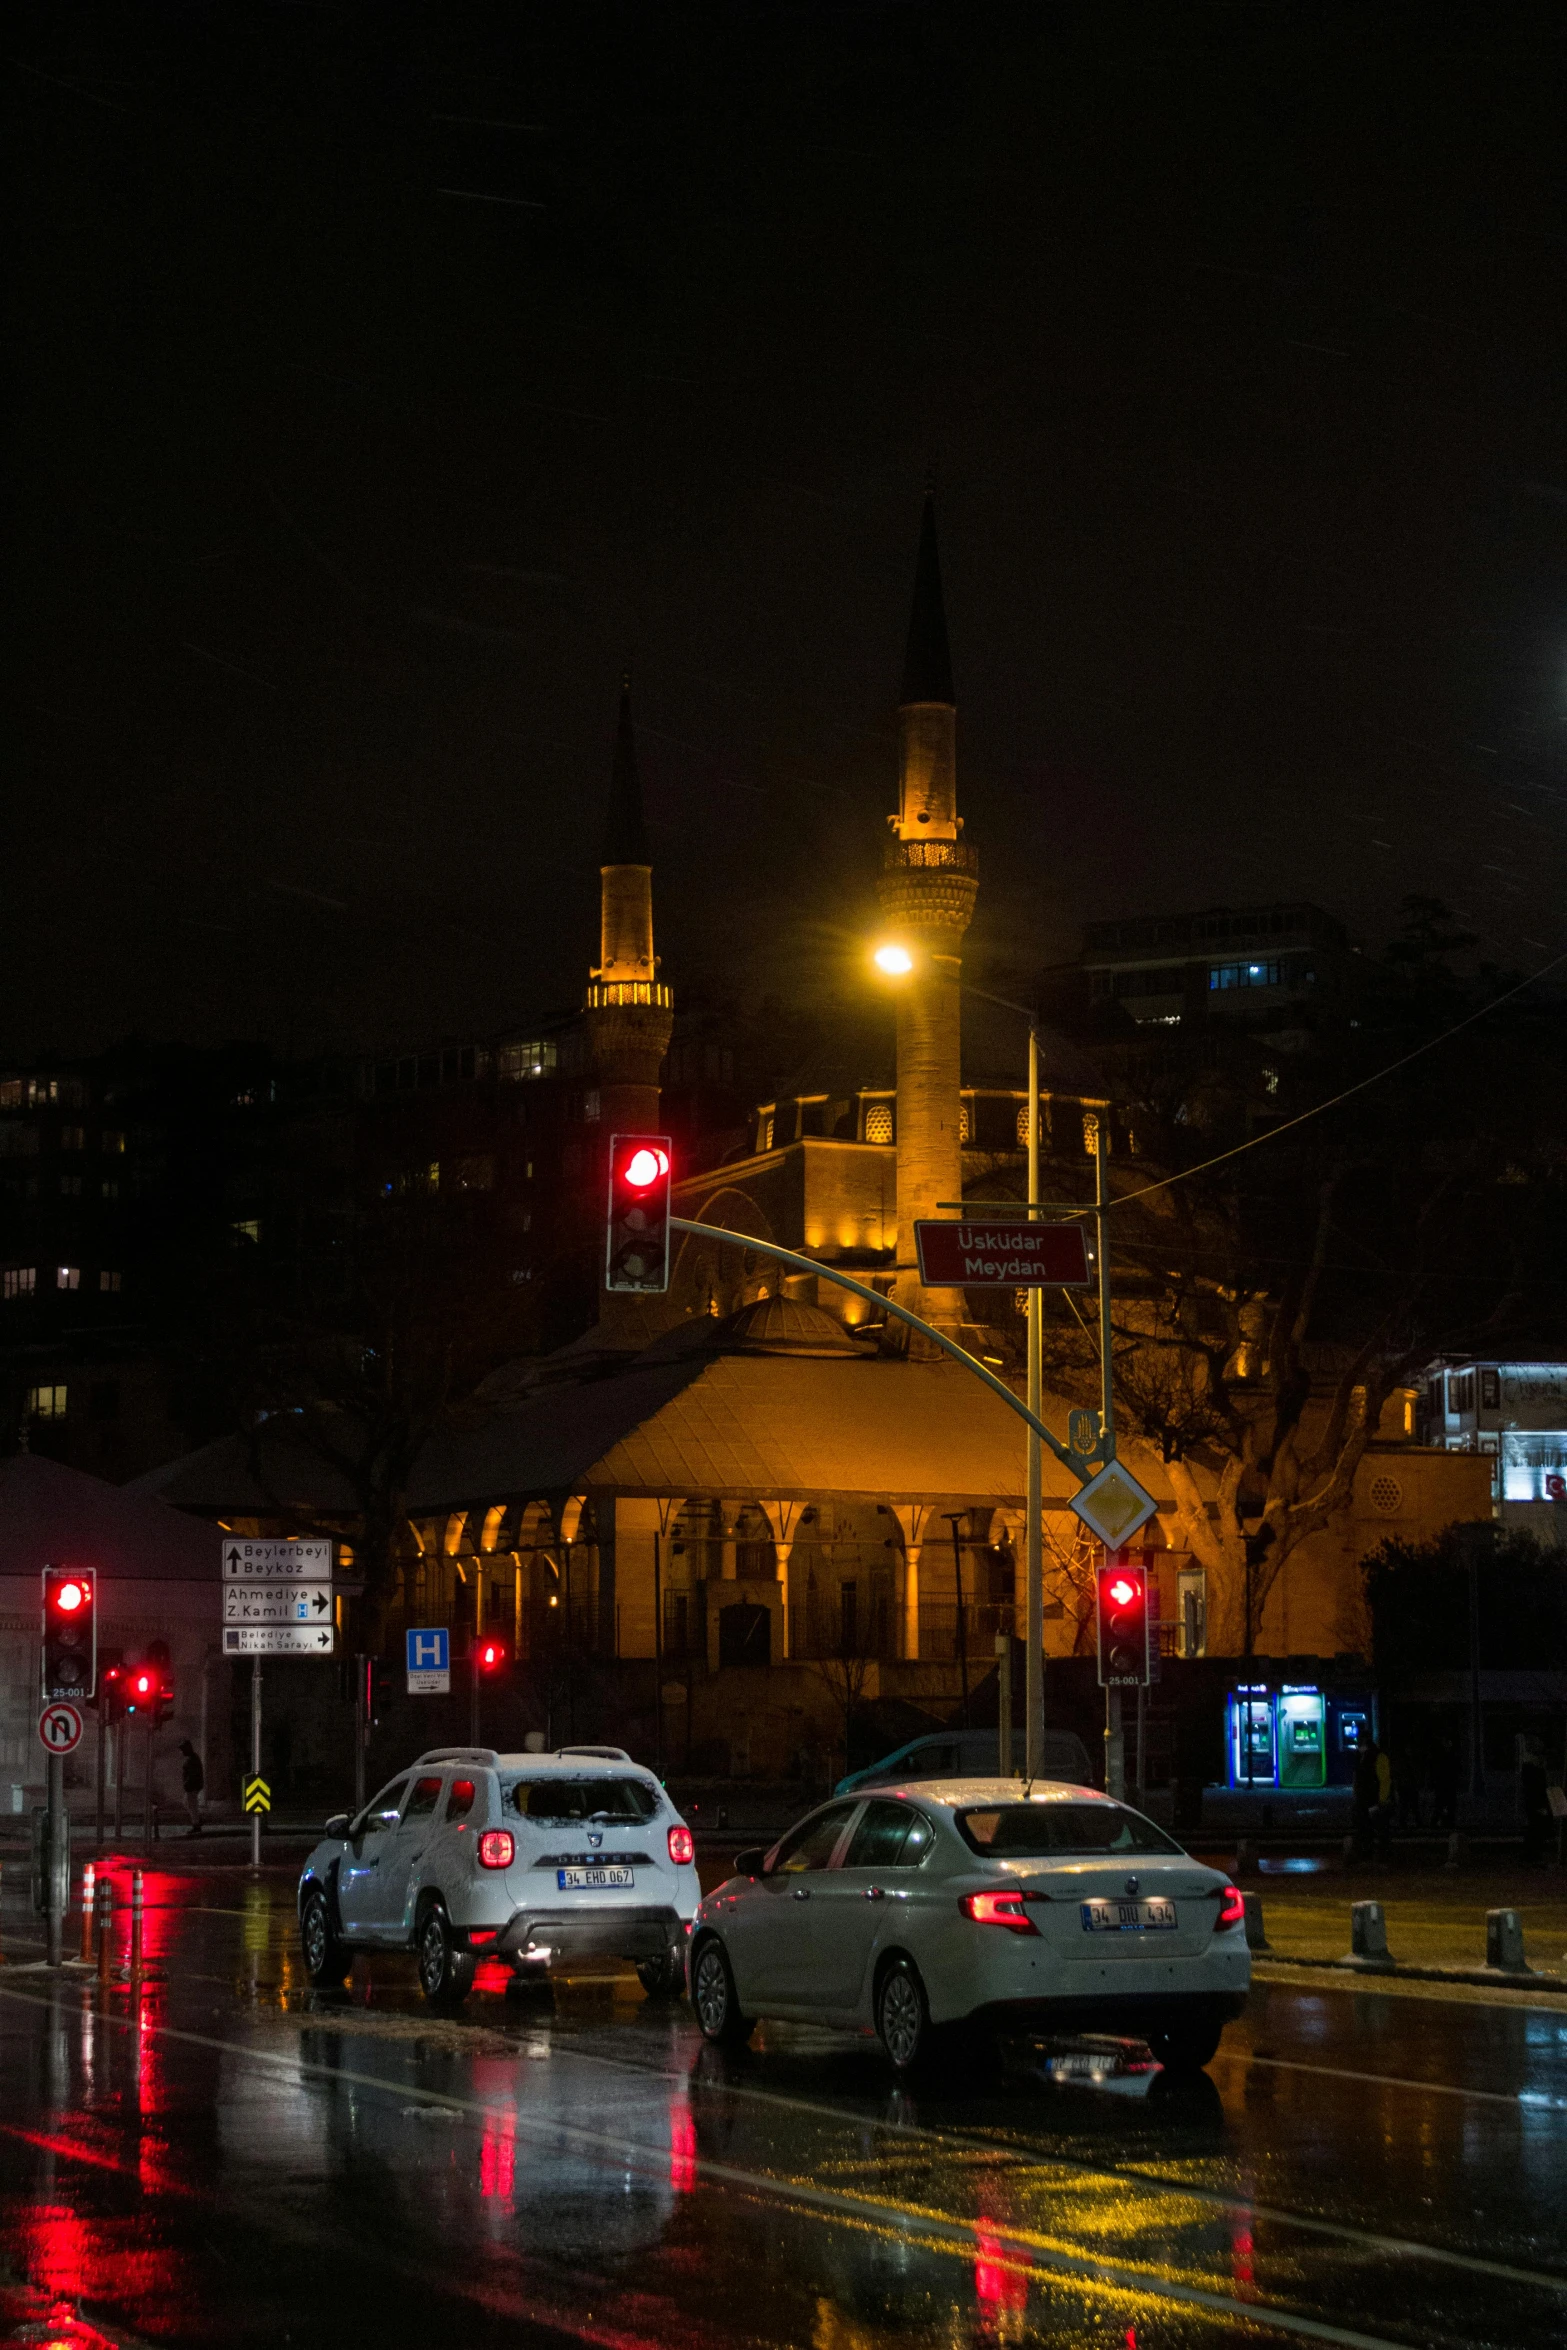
(897, 962)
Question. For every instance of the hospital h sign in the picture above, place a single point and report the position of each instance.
(429, 1662)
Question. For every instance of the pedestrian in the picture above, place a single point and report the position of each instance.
(1364, 1794)
(1444, 1786)
(1534, 1802)
(192, 1779)
(1382, 1817)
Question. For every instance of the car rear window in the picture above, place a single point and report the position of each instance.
(632, 1800)
(1042, 1831)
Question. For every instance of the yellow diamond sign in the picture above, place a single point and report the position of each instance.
(1113, 1505)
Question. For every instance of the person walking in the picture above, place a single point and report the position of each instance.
(192, 1779)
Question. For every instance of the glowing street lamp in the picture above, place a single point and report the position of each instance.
(894, 959)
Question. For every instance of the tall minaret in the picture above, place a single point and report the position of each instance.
(928, 885)
(628, 1011)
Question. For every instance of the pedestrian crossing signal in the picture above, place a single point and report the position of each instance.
(636, 1249)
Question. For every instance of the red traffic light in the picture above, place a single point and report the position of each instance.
(68, 1597)
(647, 1165)
(492, 1655)
(1121, 1591)
(142, 1684)
(1124, 1634)
(70, 1632)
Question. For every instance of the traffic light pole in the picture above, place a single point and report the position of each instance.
(57, 1869)
(255, 1756)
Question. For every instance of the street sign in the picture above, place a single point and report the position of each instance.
(278, 1640)
(1113, 1505)
(958, 1255)
(429, 1662)
(276, 1562)
(258, 1795)
(59, 1728)
(277, 1603)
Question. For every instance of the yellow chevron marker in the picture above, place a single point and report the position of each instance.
(258, 1795)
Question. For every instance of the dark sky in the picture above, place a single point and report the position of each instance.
(383, 380)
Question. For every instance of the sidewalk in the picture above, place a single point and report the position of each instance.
(1434, 1918)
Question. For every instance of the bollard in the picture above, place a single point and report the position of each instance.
(135, 1926)
(1256, 1931)
(1368, 1934)
(103, 1905)
(89, 1879)
(1504, 1941)
(1243, 1855)
(1455, 1851)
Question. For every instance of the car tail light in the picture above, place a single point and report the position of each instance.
(496, 1848)
(1232, 1908)
(682, 1846)
(998, 1909)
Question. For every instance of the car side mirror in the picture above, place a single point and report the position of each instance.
(749, 1863)
(337, 1825)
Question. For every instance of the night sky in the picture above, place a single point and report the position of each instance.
(384, 381)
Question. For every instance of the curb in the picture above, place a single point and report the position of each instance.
(1485, 1978)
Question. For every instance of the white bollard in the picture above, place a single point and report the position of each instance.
(1256, 1931)
(1504, 1941)
(1368, 1933)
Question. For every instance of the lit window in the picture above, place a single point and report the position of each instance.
(878, 1125)
(20, 1280)
(46, 1403)
(1022, 1126)
(1224, 975)
(764, 1131)
(10, 1093)
(112, 1141)
(68, 1276)
(110, 1283)
(1091, 1135)
(249, 1230)
(110, 1187)
(515, 1062)
(1270, 1080)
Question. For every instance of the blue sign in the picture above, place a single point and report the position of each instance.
(429, 1662)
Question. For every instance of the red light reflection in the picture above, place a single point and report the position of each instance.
(682, 2147)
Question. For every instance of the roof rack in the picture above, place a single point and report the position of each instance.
(471, 1754)
(602, 1753)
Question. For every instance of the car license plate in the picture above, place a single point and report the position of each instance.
(589, 1880)
(1128, 1917)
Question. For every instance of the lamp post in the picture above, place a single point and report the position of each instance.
(896, 961)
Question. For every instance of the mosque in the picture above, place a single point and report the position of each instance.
(748, 1505)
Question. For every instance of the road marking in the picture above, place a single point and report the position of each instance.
(1530, 2099)
(900, 2221)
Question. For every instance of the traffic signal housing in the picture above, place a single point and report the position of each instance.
(141, 1691)
(636, 1247)
(1122, 1593)
(490, 1655)
(112, 1677)
(70, 1632)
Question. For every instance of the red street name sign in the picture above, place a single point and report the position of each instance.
(1002, 1256)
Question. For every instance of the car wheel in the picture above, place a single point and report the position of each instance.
(713, 1997)
(663, 1978)
(1187, 2046)
(326, 1961)
(903, 2023)
(446, 1971)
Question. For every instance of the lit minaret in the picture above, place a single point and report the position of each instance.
(628, 1011)
(928, 885)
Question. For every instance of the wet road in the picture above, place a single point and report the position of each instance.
(229, 2157)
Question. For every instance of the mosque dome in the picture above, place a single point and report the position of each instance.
(784, 1326)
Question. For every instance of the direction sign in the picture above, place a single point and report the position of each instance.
(957, 1255)
(59, 1727)
(277, 1603)
(276, 1562)
(278, 1640)
(1113, 1505)
(429, 1662)
(258, 1795)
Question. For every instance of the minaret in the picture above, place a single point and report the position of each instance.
(628, 1011)
(928, 884)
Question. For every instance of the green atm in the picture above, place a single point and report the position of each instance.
(1303, 1738)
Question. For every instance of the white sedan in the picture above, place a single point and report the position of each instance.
(979, 1902)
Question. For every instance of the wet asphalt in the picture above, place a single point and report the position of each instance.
(221, 2155)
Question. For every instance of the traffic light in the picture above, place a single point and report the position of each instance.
(70, 1632)
(1123, 1625)
(141, 1690)
(491, 1655)
(636, 1252)
(112, 1677)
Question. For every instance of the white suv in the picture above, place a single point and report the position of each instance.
(536, 1859)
